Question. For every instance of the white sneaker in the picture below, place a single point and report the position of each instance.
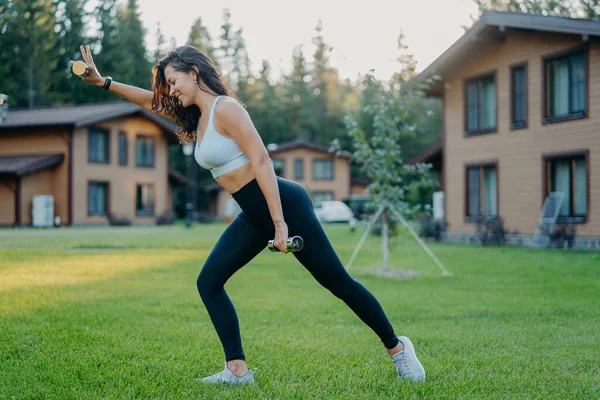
(226, 376)
(406, 362)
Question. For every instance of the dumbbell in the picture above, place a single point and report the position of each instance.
(294, 243)
(79, 68)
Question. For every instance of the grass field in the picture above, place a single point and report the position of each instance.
(112, 313)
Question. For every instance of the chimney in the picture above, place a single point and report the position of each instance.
(3, 107)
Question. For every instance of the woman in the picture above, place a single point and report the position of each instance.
(189, 89)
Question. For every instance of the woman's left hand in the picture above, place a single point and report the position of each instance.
(281, 236)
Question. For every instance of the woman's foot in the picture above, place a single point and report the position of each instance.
(406, 361)
(227, 376)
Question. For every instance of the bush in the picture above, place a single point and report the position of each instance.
(167, 218)
(561, 234)
(491, 230)
(116, 220)
(432, 228)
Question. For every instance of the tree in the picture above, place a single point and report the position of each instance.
(561, 8)
(71, 20)
(381, 157)
(109, 44)
(160, 48)
(137, 66)
(200, 38)
(226, 48)
(265, 108)
(29, 51)
(326, 92)
(296, 98)
(240, 65)
(407, 65)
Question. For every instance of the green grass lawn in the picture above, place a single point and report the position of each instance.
(113, 313)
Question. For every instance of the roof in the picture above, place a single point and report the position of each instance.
(28, 164)
(491, 27)
(80, 115)
(301, 143)
(435, 149)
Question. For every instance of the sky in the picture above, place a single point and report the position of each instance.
(363, 34)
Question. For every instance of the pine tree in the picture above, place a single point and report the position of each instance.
(138, 68)
(562, 8)
(29, 51)
(297, 99)
(225, 50)
(71, 18)
(160, 46)
(200, 38)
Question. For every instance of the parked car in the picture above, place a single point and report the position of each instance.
(333, 211)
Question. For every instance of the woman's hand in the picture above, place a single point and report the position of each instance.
(93, 77)
(281, 236)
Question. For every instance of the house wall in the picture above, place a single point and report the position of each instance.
(52, 181)
(518, 153)
(339, 186)
(7, 201)
(42, 182)
(122, 180)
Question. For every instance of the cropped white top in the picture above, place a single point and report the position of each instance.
(216, 152)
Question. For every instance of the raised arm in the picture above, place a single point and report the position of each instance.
(136, 95)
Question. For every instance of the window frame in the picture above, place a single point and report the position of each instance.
(467, 81)
(105, 131)
(137, 160)
(481, 166)
(299, 176)
(151, 213)
(317, 160)
(514, 125)
(106, 198)
(547, 160)
(123, 162)
(547, 119)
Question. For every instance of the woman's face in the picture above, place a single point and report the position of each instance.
(181, 85)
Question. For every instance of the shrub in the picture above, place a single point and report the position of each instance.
(116, 220)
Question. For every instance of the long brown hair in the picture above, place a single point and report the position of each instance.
(184, 59)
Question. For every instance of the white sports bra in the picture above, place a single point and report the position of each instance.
(216, 152)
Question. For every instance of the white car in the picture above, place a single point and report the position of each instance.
(333, 211)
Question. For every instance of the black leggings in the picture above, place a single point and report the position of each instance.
(248, 235)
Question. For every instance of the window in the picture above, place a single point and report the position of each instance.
(122, 148)
(569, 174)
(480, 105)
(97, 198)
(482, 191)
(299, 169)
(565, 82)
(98, 145)
(518, 77)
(144, 149)
(323, 170)
(319, 197)
(144, 201)
(279, 167)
